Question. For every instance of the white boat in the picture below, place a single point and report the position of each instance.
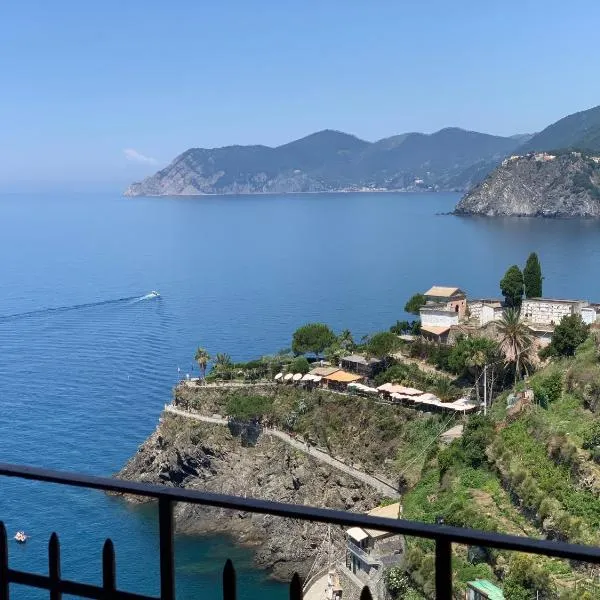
(154, 294)
(20, 537)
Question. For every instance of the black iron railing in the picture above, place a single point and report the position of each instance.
(443, 535)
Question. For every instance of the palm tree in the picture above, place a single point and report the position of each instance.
(346, 341)
(202, 357)
(223, 361)
(515, 341)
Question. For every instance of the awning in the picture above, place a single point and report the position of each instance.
(357, 534)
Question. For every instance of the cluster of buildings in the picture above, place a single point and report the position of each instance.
(354, 376)
(448, 313)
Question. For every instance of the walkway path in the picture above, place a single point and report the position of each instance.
(380, 485)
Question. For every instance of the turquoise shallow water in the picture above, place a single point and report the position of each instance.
(81, 387)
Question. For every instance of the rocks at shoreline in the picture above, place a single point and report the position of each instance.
(194, 455)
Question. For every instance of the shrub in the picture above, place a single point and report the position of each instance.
(248, 408)
(300, 365)
(396, 582)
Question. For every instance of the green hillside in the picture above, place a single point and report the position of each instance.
(535, 473)
(580, 130)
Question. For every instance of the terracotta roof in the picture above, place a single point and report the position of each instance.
(435, 329)
(323, 371)
(443, 292)
(343, 377)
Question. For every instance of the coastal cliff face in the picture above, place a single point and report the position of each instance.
(538, 185)
(194, 455)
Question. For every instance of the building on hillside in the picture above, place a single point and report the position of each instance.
(453, 298)
(444, 307)
(588, 315)
(368, 367)
(482, 589)
(549, 311)
(340, 379)
(369, 549)
(484, 311)
(323, 371)
(542, 334)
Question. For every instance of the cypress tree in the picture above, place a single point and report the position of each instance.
(511, 286)
(532, 277)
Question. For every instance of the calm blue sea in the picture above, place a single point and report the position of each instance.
(81, 387)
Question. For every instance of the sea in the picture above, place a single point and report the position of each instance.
(88, 358)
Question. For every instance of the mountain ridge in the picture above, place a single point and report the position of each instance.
(451, 159)
(331, 160)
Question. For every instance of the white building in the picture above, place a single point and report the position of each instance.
(549, 311)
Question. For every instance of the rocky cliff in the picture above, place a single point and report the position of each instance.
(561, 185)
(194, 455)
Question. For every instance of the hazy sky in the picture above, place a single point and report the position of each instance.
(108, 91)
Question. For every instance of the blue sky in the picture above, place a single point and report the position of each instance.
(82, 82)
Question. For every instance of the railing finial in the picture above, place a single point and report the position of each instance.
(366, 593)
(229, 584)
(4, 583)
(109, 568)
(54, 567)
(295, 588)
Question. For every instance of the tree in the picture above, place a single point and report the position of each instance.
(312, 337)
(532, 277)
(202, 357)
(382, 344)
(300, 365)
(515, 341)
(568, 334)
(223, 361)
(414, 304)
(346, 341)
(527, 579)
(511, 286)
(400, 327)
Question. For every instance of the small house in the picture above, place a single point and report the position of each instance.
(340, 379)
(368, 367)
(452, 298)
(482, 589)
(368, 549)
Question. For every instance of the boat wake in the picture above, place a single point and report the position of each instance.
(61, 309)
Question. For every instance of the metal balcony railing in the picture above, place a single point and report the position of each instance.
(444, 536)
(361, 553)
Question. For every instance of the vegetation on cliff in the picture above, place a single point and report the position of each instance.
(533, 473)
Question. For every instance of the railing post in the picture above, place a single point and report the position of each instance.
(165, 530)
(4, 584)
(229, 592)
(54, 567)
(443, 569)
(109, 570)
(296, 588)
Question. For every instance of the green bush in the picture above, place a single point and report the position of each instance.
(300, 365)
(248, 408)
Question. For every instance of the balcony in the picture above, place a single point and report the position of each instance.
(443, 536)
